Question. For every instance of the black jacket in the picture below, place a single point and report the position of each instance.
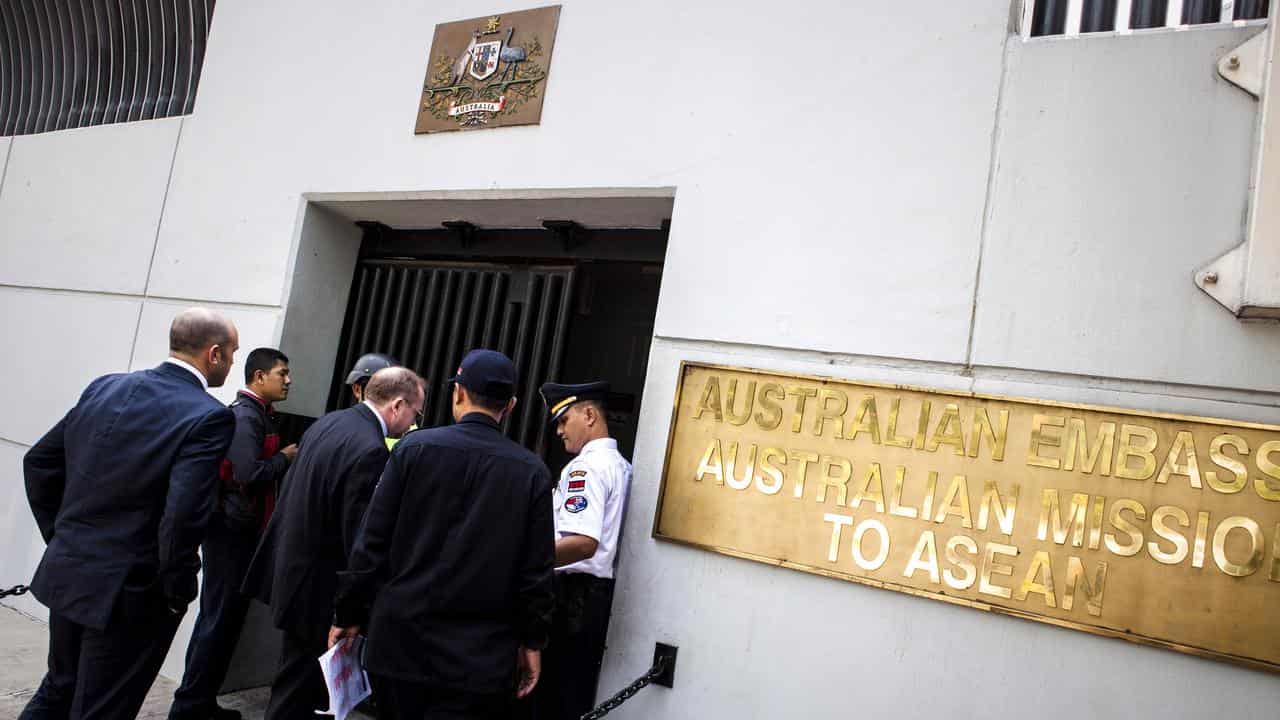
(322, 499)
(254, 466)
(122, 489)
(458, 548)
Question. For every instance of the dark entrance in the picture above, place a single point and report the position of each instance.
(565, 303)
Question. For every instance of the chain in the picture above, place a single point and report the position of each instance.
(15, 590)
(627, 692)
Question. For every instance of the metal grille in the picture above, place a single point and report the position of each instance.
(73, 63)
(429, 314)
(1073, 17)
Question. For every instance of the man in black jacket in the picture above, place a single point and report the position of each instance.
(122, 488)
(323, 498)
(249, 477)
(451, 572)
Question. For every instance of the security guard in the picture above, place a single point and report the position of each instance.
(365, 367)
(589, 501)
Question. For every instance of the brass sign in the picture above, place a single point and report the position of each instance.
(1156, 528)
(488, 71)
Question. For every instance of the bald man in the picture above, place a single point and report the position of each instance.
(121, 489)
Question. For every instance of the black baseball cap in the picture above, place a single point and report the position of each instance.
(487, 372)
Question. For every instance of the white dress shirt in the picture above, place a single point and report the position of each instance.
(378, 415)
(589, 500)
(204, 383)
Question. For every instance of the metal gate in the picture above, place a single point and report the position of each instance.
(429, 314)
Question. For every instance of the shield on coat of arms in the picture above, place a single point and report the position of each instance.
(484, 59)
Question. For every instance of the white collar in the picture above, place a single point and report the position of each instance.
(604, 443)
(378, 415)
(191, 369)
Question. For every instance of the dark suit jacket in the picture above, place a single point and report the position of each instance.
(122, 488)
(455, 554)
(322, 500)
(255, 463)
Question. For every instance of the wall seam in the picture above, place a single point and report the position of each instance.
(155, 244)
(4, 171)
(988, 204)
(136, 296)
(14, 443)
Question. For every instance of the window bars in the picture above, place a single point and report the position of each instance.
(1076, 17)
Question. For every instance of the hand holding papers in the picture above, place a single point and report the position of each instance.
(344, 678)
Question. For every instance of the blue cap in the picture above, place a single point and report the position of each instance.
(487, 372)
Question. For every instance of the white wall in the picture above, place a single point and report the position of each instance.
(842, 220)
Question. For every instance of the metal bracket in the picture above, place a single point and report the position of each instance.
(667, 654)
(1246, 279)
(568, 231)
(1223, 279)
(1246, 65)
(463, 230)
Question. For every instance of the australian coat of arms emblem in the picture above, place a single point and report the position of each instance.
(488, 71)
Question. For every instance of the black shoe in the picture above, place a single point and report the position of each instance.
(225, 714)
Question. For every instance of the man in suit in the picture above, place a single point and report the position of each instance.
(322, 500)
(249, 475)
(451, 571)
(122, 488)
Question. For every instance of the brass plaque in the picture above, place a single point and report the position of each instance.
(1155, 528)
(488, 71)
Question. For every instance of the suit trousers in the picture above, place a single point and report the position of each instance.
(571, 662)
(101, 674)
(298, 689)
(406, 700)
(226, 552)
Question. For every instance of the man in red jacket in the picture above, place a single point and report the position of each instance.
(250, 474)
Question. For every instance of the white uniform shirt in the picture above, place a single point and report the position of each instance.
(589, 501)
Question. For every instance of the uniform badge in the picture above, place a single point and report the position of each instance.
(577, 485)
(577, 473)
(575, 504)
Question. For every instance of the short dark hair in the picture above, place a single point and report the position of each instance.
(263, 359)
(492, 403)
(195, 329)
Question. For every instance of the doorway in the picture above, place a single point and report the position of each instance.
(578, 306)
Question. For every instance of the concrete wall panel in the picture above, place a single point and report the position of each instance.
(80, 209)
(1124, 166)
(876, 217)
(56, 343)
(20, 543)
(321, 283)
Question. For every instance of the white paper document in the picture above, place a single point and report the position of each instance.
(344, 678)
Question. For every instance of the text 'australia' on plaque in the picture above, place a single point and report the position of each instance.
(1155, 528)
(488, 71)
